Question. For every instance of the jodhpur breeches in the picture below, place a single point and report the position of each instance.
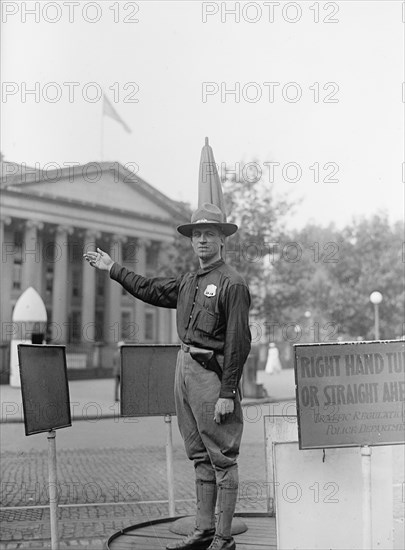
(213, 447)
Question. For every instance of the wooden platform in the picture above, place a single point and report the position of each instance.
(154, 535)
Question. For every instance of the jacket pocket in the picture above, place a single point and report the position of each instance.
(205, 321)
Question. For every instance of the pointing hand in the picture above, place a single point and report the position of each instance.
(101, 260)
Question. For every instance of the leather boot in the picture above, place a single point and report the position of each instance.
(222, 544)
(199, 540)
(227, 497)
(206, 493)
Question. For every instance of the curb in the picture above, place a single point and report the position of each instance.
(246, 402)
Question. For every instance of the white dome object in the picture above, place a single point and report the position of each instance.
(30, 307)
(376, 297)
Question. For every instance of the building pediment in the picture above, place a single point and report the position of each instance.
(104, 185)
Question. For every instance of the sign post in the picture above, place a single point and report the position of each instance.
(351, 394)
(366, 499)
(53, 489)
(169, 462)
(46, 406)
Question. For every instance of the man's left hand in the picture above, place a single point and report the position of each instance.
(223, 407)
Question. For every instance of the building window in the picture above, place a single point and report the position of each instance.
(75, 327)
(49, 280)
(17, 264)
(127, 327)
(76, 283)
(75, 251)
(129, 252)
(99, 328)
(100, 281)
(150, 325)
(17, 274)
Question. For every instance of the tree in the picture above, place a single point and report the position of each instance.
(371, 259)
(259, 213)
(178, 256)
(316, 280)
(335, 276)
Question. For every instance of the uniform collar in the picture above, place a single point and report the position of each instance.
(204, 270)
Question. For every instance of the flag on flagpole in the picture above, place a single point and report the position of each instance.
(109, 110)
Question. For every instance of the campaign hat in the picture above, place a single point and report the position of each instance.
(208, 214)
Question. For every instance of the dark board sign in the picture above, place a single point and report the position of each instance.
(350, 393)
(44, 388)
(147, 380)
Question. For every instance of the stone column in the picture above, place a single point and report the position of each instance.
(60, 285)
(89, 289)
(7, 249)
(163, 318)
(163, 325)
(31, 254)
(114, 294)
(140, 269)
(174, 337)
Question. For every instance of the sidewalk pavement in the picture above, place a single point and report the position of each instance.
(103, 490)
(111, 473)
(94, 399)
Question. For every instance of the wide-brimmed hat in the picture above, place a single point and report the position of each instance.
(208, 214)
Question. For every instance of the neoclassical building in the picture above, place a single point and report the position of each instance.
(48, 219)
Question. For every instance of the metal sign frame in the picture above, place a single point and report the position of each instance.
(400, 405)
(27, 354)
(162, 404)
(148, 374)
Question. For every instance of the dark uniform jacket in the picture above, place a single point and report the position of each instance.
(212, 312)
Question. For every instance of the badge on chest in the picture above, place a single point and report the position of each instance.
(210, 291)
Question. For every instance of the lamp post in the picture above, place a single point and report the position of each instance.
(376, 299)
(307, 316)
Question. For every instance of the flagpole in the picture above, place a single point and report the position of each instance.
(102, 132)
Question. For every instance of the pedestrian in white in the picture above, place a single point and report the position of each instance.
(117, 369)
(273, 364)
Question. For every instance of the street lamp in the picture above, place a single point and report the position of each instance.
(376, 299)
(307, 316)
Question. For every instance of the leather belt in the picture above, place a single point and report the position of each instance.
(186, 348)
(205, 357)
(212, 364)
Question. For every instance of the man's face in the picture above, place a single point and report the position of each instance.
(207, 241)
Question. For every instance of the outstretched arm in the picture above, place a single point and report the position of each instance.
(101, 260)
(158, 291)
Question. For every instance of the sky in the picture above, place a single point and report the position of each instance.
(316, 105)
